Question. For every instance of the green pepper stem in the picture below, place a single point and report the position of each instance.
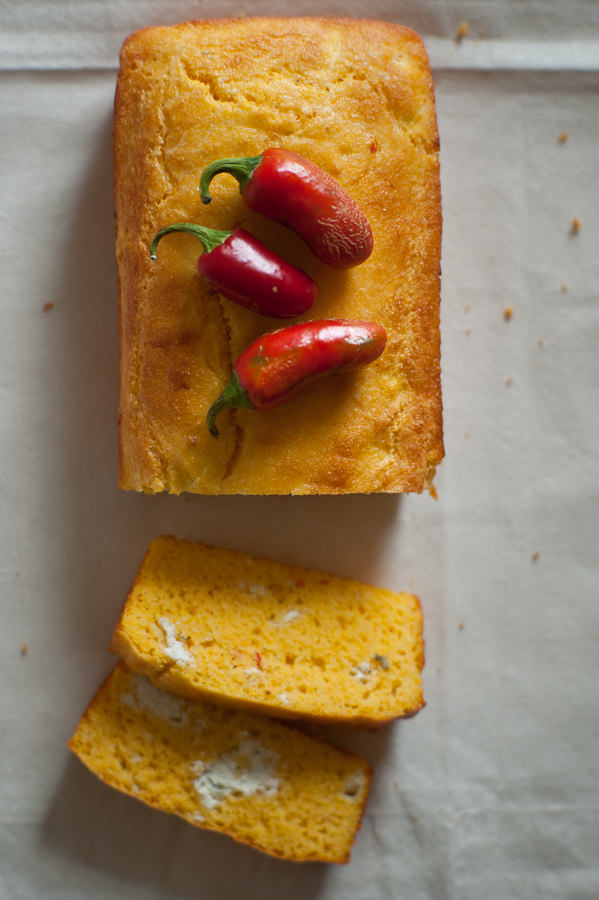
(209, 237)
(233, 395)
(242, 168)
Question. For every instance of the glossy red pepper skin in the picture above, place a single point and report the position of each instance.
(278, 365)
(245, 271)
(292, 190)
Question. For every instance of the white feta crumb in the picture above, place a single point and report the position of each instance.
(354, 786)
(291, 615)
(197, 817)
(175, 649)
(361, 672)
(283, 698)
(135, 788)
(244, 771)
(158, 702)
(252, 672)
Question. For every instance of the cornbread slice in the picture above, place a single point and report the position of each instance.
(355, 97)
(260, 782)
(235, 629)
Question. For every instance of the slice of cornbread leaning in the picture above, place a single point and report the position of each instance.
(286, 641)
(263, 783)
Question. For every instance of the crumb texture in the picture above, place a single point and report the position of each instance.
(283, 640)
(356, 97)
(247, 776)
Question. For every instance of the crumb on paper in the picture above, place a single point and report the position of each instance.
(24, 649)
(562, 137)
(433, 492)
(508, 312)
(541, 342)
(48, 307)
(466, 307)
(468, 330)
(576, 225)
(509, 381)
(535, 556)
(564, 287)
(461, 626)
(17, 572)
(467, 435)
(462, 31)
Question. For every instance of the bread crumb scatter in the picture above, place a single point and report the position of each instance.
(562, 137)
(462, 31)
(467, 307)
(24, 649)
(468, 330)
(461, 626)
(564, 287)
(48, 307)
(541, 342)
(433, 492)
(535, 556)
(575, 226)
(508, 312)
(509, 381)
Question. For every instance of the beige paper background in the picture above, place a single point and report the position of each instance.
(493, 789)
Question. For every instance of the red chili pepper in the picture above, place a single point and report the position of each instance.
(245, 271)
(290, 189)
(278, 365)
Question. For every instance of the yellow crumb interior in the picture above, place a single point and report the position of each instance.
(260, 782)
(205, 621)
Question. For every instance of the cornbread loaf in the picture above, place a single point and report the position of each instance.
(260, 782)
(235, 629)
(356, 98)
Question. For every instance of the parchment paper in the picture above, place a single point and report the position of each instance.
(492, 790)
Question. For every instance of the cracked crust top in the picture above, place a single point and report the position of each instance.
(354, 96)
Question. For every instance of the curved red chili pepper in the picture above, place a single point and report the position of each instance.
(278, 365)
(248, 273)
(290, 189)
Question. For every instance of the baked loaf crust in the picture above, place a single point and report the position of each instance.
(245, 631)
(262, 783)
(356, 98)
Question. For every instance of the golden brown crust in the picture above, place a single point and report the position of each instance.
(355, 96)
